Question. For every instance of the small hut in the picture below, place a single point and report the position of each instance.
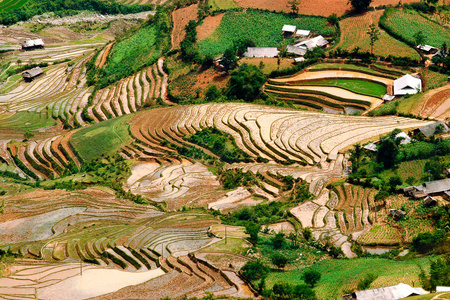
(430, 201)
(33, 44)
(32, 74)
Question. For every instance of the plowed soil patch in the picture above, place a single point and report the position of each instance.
(439, 102)
(105, 55)
(208, 26)
(181, 18)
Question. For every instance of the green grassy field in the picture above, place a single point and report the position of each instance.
(130, 55)
(263, 28)
(406, 23)
(223, 4)
(358, 86)
(103, 138)
(339, 276)
(8, 5)
(26, 121)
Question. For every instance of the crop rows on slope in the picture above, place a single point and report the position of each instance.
(272, 133)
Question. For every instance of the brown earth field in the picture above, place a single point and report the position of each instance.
(312, 7)
(270, 63)
(202, 81)
(181, 18)
(208, 26)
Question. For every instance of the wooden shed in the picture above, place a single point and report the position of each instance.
(32, 74)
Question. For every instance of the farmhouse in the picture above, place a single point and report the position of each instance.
(296, 50)
(318, 41)
(430, 201)
(405, 139)
(393, 292)
(33, 44)
(407, 84)
(288, 30)
(430, 129)
(302, 33)
(261, 52)
(32, 74)
(440, 53)
(372, 147)
(434, 188)
(427, 49)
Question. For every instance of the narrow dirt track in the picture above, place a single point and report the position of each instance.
(164, 83)
(104, 56)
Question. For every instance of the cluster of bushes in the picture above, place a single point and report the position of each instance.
(220, 143)
(63, 7)
(233, 178)
(366, 57)
(19, 69)
(427, 241)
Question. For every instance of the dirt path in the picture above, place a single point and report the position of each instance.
(164, 83)
(104, 56)
(334, 74)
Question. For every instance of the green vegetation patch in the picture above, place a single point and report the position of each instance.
(340, 276)
(223, 4)
(220, 143)
(355, 85)
(27, 121)
(8, 5)
(263, 28)
(406, 23)
(130, 55)
(101, 139)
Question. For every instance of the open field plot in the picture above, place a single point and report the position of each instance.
(106, 233)
(130, 55)
(339, 275)
(7, 5)
(263, 28)
(354, 34)
(223, 4)
(332, 89)
(102, 139)
(406, 23)
(181, 18)
(273, 133)
(337, 214)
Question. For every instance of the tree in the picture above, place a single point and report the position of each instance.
(278, 240)
(387, 151)
(252, 229)
(28, 134)
(374, 35)
(254, 270)
(439, 274)
(229, 59)
(293, 5)
(333, 19)
(279, 260)
(246, 83)
(360, 5)
(311, 277)
(419, 37)
(212, 93)
(307, 234)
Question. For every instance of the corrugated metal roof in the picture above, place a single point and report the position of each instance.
(35, 42)
(426, 48)
(371, 147)
(407, 84)
(289, 28)
(393, 292)
(296, 50)
(405, 138)
(440, 289)
(302, 32)
(436, 186)
(318, 41)
(261, 52)
(429, 130)
(32, 73)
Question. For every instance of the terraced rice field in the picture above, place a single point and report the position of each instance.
(332, 89)
(8, 5)
(109, 235)
(337, 214)
(354, 34)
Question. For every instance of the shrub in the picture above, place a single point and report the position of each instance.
(311, 277)
(254, 270)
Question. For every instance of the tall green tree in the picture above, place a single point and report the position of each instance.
(245, 83)
(360, 5)
(374, 35)
(293, 5)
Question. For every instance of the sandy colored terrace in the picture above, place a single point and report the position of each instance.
(181, 18)
(437, 103)
(208, 26)
(333, 74)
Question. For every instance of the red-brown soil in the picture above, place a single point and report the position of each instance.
(104, 56)
(181, 18)
(208, 26)
(312, 7)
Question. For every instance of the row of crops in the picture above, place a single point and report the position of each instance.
(263, 28)
(405, 25)
(8, 5)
